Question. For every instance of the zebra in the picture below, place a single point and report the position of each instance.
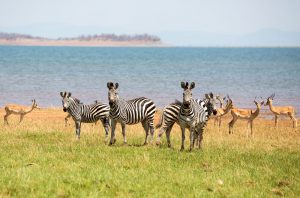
(82, 113)
(129, 112)
(170, 116)
(191, 115)
(69, 115)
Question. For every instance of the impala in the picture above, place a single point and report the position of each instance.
(222, 111)
(283, 110)
(18, 110)
(244, 114)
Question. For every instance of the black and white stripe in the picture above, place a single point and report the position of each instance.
(170, 116)
(130, 112)
(82, 113)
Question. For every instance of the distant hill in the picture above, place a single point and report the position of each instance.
(83, 40)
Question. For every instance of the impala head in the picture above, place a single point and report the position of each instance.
(65, 100)
(269, 99)
(34, 104)
(228, 102)
(112, 92)
(211, 104)
(258, 102)
(187, 93)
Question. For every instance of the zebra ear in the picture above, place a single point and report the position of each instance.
(68, 94)
(62, 94)
(116, 85)
(192, 86)
(206, 96)
(211, 95)
(182, 85)
(110, 85)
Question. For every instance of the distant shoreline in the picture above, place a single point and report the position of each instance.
(38, 42)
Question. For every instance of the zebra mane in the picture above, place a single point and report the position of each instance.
(176, 102)
(77, 100)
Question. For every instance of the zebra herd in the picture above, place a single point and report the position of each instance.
(189, 113)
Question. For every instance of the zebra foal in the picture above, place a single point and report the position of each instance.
(129, 112)
(82, 113)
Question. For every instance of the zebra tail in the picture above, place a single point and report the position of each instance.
(159, 124)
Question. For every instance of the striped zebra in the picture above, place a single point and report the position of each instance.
(129, 112)
(170, 116)
(191, 115)
(82, 113)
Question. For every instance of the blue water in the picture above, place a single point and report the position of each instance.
(243, 73)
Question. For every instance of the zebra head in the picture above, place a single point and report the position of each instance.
(112, 92)
(65, 100)
(187, 93)
(211, 103)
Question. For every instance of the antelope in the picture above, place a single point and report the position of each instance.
(283, 110)
(18, 110)
(222, 110)
(245, 114)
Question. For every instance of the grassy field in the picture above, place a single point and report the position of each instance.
(41, 158)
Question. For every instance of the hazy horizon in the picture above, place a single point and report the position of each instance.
(190, 23)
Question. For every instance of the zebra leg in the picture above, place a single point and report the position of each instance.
(124, 132)
(78, 126)
(168, 135)
(182, 138)
(146, 128)
(160, 133)
(151, 131)
(112, 135)
(105, 123)
(200, 138)
(191, 138)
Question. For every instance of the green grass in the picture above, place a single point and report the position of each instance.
(47, 161)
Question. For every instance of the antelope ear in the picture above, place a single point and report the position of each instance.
(116, 85)
(69, 94)
(62, 94)
(192, 86)
(183, 85)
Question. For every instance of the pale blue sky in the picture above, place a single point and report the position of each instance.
(171, 19)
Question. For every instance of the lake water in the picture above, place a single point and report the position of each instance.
(156, 73)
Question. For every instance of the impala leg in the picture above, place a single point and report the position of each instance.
(293, 119)
(231, 124)
(200, 138)
(276, 121)
(21, 118)
(251, 127)
(5, 118)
